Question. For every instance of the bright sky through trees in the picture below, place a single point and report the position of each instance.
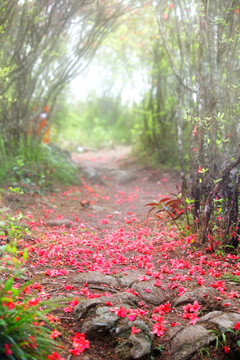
(96, 78)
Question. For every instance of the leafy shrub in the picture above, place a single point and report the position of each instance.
(33, 166)
(24, 333)
(24, 329)
(11, 228)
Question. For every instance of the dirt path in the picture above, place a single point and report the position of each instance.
(106, 157)
(138, 288)
(124, 180)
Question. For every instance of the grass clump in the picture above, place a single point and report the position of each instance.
(35, 166)
(25, 331)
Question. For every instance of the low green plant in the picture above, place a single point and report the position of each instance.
(35, 166)
(224, 339)
(160, 348)
(231, 277)
(204, 353)
(10, 226)
(24, 329)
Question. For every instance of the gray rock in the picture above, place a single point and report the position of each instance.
(140, 346)
(85, 306)
(150, 293)
(123, 177)
(92, 175)
(224, 320)
(98, 320)
(187, 342)
(96, 278)
(61, 222)
(98, 208)
(139, 324)
(104, 321)
(128, 278)
(198, 294)
(134, 346)
(173, 331)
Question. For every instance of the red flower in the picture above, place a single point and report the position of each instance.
(174, 324)
(74, 302)
(7, 349)
(135, 330)
(194, 130)
(79, 344)
(10, 305)
(226, 349)
(55, 334)
(32, 342)
(34, 301)
(237, 326)
(158, 329)
(121, 312)
(55, 356)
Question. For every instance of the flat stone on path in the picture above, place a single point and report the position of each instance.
(119, 299)
(224, 320)
(199, 294)
(128, 278)
(92, 174)
(140, 348)
(97, 319)
(103, 321)
(187, 341)
(60, 222)
(123, 177)
(154, 295)
(96, 278)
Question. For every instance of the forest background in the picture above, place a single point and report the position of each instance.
(168, 84)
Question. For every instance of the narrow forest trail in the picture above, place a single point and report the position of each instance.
(136, 287)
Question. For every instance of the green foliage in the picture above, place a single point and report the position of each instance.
(97, 122)
(34, 166)
(10, 226)
(227, 340)
(49, 44)
(231, 277)
(204, 353)
(24, 334)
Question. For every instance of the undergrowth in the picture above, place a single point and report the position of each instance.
(35, 167)
(25, 329)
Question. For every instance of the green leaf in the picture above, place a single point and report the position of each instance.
(16, 190)
(25, 254)
(217, 181)
(8, 285)
(3, 323)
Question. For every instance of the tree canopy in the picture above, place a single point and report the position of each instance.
(45, 45)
